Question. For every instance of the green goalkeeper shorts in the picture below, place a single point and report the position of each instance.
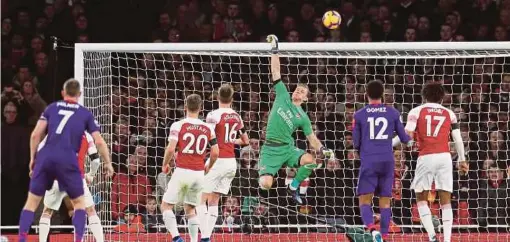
(275, 156)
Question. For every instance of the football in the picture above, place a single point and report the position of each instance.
(331, 19)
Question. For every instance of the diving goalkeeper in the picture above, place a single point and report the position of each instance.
(285, 118)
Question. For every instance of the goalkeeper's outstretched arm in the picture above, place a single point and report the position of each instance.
(275, 59)
(315, 143)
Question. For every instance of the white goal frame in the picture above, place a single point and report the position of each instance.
(396, 50)
(411, 50)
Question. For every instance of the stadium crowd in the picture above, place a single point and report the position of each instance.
(149, 89)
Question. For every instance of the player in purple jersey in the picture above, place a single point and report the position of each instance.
(373, 129)
(65, 121)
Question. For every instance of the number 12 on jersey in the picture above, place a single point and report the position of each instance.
(378, 122)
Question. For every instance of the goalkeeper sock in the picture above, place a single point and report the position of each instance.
(96, 228)
(79, 220)
(447, 217)
(367, 215)
(193, 225)
(302, 173)
(202, 216)
(44, 227)
(385, 220)
(25, 221)
(426, 218)
(170, 223)
(212, 217)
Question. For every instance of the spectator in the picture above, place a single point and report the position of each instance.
(10, 113)
(81, 23)
(293, 36)
(152, 219)
(410, 35)
(424, 29)
(41, 26)
(446, 33)
(120, 140)
(17, 50)
(37, 104)
(130, 222)
(24, 74)
(15, 158)
(10, 94)
(6, 28)
(494, 198)
(131, 187)
(261, 216)
(231, 214)
(83, 38)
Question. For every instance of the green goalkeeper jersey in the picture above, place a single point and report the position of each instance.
(285, 118)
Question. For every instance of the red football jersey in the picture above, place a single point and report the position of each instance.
(192, 136)
(432, 125)
(226, 123)
(86, 143)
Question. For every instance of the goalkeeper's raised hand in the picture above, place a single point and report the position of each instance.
(273, 40)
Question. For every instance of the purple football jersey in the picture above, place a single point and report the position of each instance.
(67, 122)
(57, 159)
(374, 127)
(373, 131)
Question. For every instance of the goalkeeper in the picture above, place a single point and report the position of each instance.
(285, 118)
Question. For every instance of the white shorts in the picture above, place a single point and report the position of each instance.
(220, 176)
(433, 168)
(184, 186)
(53, 197)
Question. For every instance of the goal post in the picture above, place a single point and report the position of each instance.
(137, 90)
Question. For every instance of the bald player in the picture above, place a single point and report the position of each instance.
(65, 122)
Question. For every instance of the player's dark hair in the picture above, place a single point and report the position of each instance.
(225, 93)
(433, 92)
(151, 198)
(193, 103)
(72, 87)
(375, 89)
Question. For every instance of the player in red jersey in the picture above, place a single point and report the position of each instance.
(190, 136)
(53, 198)
(227, 124)
(431, 125)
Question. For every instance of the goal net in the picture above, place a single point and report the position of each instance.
(136, 91)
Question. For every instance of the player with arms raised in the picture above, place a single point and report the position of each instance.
(65, 121)
(54, 197)
(431, 123)
(285, 118)
(226, 123)
(373, 129)
(190, 136)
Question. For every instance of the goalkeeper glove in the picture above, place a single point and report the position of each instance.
(274, 43)
(328, 153)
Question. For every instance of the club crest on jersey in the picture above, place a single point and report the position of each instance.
(298, 116)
